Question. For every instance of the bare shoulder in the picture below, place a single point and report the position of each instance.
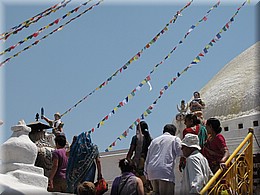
(140, 187)
(138, 180)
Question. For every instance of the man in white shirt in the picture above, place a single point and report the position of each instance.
(197, 172)
(160, 161)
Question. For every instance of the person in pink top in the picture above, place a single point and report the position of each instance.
(215, 149)
(57, 179)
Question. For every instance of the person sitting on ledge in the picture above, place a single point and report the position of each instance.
(183, 107)
(197, 105)
(56, 124)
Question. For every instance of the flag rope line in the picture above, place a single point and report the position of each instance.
(14, 30)
(148, 77)
(169, 84)
(44, 37)
(35, 34)
(134, 58)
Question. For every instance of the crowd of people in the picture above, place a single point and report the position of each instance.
(149, 165)
(74, 166)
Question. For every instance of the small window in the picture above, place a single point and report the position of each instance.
(255, 123)
(240, 126)
(226, 129)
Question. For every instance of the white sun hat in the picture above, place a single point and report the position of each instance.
(191, 141)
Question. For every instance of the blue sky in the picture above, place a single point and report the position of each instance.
(69, 64)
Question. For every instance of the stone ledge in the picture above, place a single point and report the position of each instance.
(30, 178)
(7, 167)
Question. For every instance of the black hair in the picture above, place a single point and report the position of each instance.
(147, 136)
(194, 118)
(170, 128)
(215, 124)
(195, 93)
(144, 126)
(126, 165)
(61, 140)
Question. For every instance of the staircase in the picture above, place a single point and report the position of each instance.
(238, 177)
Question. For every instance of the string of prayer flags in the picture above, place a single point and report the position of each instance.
(185, 36)
(169, 84)
(35, 34)
(122, 103)
(197, 59)
(138, 88)
(44, 37)
(134, 58)
(14, 30)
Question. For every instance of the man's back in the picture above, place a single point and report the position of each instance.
(161, 157)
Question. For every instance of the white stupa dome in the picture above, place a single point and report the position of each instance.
(235, 90)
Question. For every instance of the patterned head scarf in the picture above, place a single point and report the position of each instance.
(82, 155)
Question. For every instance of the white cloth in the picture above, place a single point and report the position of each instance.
(56, 123)
(196, 174)
(161, 156)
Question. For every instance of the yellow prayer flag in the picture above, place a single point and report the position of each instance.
(143, 82)
(196, 60)
(130, 96)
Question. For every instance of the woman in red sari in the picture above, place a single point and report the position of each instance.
(215, 148)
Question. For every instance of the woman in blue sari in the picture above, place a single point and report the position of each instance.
(82, 163)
